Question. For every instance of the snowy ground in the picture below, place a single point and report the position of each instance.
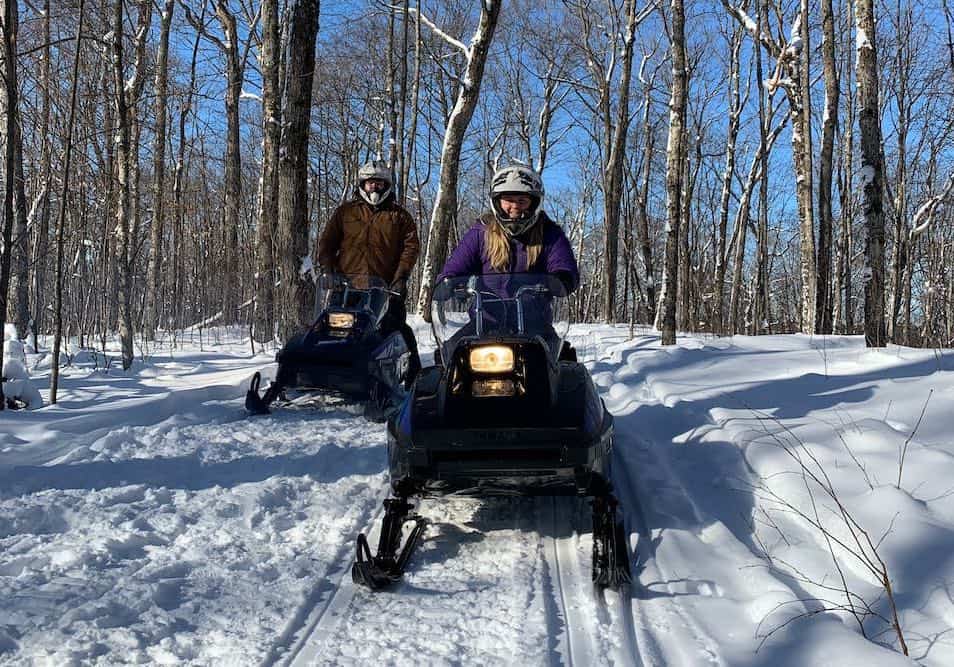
(145, 519)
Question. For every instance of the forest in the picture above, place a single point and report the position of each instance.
(723, 167)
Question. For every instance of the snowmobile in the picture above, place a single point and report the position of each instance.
(345, 354)
(508, 410)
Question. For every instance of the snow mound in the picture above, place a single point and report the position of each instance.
(16, 380)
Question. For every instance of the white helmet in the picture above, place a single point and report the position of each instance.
(517, 179)
(375, 169)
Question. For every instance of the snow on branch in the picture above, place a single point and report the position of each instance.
(440, 33)
(925, 214)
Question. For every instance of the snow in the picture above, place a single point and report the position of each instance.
(861, 39)
(145, 519)
(16, 379)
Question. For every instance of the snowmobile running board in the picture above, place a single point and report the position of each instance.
(387, 567)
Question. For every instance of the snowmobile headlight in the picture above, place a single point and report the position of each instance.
(340, 320)
(492, 387)
(491, 359)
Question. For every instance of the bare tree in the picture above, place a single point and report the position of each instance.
(61, 217)
(823, 318)
(125, 96)
(675, 166)
(872, 171)
(9, 33)
(292, 246)
(791, 75)
(153, 273)
(270, 62)
(444, 214)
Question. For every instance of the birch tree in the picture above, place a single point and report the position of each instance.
(791, 75)
(675, 168)
(872, 171)
(444, 214)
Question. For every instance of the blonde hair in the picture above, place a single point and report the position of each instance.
(497, 244)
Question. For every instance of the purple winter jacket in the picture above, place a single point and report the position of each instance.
(470, 258)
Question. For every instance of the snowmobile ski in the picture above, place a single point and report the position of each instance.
(388, 565)
(256, 404)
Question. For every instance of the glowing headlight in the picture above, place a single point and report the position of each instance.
(340, 320)
(494, 387)
(491, 359)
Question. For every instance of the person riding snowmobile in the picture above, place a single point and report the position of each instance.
(517, 236)
(374, 235)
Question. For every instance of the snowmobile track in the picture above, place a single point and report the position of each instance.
(592, 624)
(324, 608)
(641, 619)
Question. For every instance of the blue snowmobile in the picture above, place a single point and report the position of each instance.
(508, 410)
(349, 352)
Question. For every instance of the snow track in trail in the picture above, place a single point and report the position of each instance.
(665, 629)
(499, 580)
(593, 627)
(323, 608)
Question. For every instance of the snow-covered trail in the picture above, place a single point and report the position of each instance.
(171, 529)
(501, 580)
(190, 539)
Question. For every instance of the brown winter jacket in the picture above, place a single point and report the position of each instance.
(360, 238)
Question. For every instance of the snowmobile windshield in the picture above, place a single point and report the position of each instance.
(510, 305)
(352, 293)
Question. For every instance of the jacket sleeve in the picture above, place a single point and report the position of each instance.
(329, 244)
(562, 261)
(412, 247)
(465, 259)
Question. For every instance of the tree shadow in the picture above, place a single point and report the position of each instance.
(328, 464)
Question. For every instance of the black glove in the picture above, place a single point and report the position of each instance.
(399, 285)
(565, 277)
(326, 280)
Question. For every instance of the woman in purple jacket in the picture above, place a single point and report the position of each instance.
(517, 237)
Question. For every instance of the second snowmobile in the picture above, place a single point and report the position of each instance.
(345, 353)
(508, 411)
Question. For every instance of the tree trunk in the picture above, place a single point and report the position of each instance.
(61, 217)
(125, 95)
(10, 129)
(42, 223)
(268, 197)
(613, 169)
(233, 161)
(823, 291)
(675, 165)
(645, 253)
(444, 215)
(293, 167)
(872, 172)
(761, 308)
(802, 152)
(735, 116)
(157, 232)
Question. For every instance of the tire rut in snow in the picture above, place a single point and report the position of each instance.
(472, 594)
(665, 628)
(592, 627)
(322, 610)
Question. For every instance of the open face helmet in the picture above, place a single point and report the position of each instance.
(375, 169)
(517, 180)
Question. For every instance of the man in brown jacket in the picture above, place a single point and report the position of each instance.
(373, 235)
